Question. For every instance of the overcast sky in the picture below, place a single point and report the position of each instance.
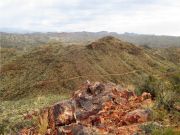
(161, 17)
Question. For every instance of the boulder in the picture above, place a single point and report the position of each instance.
(136, 116)
(96, 108)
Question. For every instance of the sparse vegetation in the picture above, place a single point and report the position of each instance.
(40, 76)
(164, 91)
(13, 112)
(36, 39)
(47, 68)
(149, 85)
(156, 129)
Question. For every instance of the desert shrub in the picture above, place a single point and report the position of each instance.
(3, 129)
(164, 131)
(175, 79)
(147, 86)
(160, 114)
(157, 129)
(166, 98)
(166, 95)
(163, 91)
(148, 128)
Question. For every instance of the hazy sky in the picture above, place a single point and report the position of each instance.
(160, 17)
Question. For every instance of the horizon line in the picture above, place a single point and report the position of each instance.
(23, 31)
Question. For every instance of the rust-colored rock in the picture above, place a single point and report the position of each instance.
(96, 108)
(138, 115)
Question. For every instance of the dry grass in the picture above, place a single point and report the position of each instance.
(13, 112)
(46, 74)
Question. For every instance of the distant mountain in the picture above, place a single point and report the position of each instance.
(31, 39)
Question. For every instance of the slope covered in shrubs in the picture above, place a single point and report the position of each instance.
(56, 68)
(42, 75)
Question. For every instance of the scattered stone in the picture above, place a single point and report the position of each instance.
(96, 108)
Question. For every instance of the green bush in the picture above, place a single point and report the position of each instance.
(147, 86)
(3, 129)
(148, 128)
(156, 129)
(164, 131)
(166, 96)
(163, 91)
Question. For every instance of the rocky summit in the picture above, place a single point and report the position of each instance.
(96, 108)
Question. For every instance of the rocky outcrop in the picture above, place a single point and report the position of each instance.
(96, 108)
(108, 43)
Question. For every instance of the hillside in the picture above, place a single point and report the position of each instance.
(170, 54)
(9, 40)
(39, 76)
(54, 67)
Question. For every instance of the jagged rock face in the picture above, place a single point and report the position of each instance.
(96, 108)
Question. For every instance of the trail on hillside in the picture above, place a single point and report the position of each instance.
(121, 74)
(117, 74)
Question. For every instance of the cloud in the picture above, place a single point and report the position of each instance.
(139, 16)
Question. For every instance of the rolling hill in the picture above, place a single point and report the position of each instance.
(35, 77)
(55, 68)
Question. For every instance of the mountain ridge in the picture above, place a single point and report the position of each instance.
(39, 76)
(34, 39)
(47, 68)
